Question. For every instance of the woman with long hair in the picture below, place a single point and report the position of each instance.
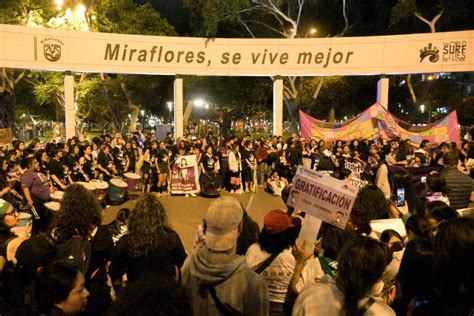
(78, 222)
(60, 290)
(151, 245)
(357, 288)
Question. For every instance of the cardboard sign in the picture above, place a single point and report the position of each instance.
(322, 196)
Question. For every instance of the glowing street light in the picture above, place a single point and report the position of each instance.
(59, 4)
(170, 105)
(81, 9)
(311, 31)
(422, 108)
(199, 103)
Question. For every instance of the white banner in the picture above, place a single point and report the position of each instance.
(59, 50)
(322, 196)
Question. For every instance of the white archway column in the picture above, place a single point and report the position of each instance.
(382, 92)
(69, 105)
(178, 107)
(278, 106)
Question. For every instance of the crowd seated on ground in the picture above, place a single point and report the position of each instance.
(56, 257)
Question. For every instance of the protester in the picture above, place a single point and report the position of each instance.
(460, 185)
(357, 287)
(60, 290)
(216, 279)
(152, 295)
(151, 245)
(271, 256)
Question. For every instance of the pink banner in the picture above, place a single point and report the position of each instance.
(376, 121)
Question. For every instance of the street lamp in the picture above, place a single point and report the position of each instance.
(199, 103)
(59, 4)
(311, 32)
(81, 9)
(422, 108)
(170, 105)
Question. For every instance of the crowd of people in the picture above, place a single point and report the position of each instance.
(67, 263)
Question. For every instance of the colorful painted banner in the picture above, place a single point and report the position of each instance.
(184, 175)
(375, 122)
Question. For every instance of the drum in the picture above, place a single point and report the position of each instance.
(25, 219)
(132, 181)
(57, 196)
(210, 184)
(53, 206)
(89, 186)
(101, 188)
(117, 191)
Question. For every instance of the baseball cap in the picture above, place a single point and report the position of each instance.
(222, 220)
(277, 221)
(4, 206)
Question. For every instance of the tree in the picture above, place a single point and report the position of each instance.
(230, 98)
(271, 18)
(125, 17)
(21, 12)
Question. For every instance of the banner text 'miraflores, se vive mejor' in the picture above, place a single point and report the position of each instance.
(159, 54)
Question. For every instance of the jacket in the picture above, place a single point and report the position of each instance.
(459, 187)
(235, 163)
(235, 284)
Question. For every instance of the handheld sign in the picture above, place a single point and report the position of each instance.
(322, 196)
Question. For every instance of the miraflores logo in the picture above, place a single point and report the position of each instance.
(429, 51)
(52, 48)
(454, 51)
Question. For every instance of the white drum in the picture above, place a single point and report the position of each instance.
(57, 196)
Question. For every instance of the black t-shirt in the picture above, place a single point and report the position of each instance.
(247, 155)
(130, 156)
(170, 253)
(163, 156)
(105, 161)
(208, 162)
(56, 168)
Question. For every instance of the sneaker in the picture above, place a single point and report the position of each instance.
(193, 195)
(187, 195)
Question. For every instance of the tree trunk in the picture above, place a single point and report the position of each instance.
(332, 115)
(225, 125)
(290, 104)
(134, 109)
(187, 113)
(114, 111)
(7, 110)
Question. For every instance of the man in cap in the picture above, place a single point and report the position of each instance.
(218, 280)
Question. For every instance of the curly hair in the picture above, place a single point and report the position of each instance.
(147, 220)
(80, 212)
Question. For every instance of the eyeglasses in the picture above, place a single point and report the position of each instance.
(12, 213)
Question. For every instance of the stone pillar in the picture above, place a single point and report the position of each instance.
(178, 107)
(278, 107)
(382, 92)
(69, 105)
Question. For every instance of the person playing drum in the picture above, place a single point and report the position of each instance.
(105, 163)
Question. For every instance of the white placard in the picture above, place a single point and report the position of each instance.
(322, 196)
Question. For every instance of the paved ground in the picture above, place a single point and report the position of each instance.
(185, 214)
